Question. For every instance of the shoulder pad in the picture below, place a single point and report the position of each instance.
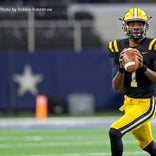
(113, 46)
(152, 44)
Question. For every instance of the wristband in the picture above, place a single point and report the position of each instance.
(143, 68)
(121, 70)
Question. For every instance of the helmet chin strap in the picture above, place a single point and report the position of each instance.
(136, 37)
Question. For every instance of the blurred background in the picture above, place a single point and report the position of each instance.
(56, 48)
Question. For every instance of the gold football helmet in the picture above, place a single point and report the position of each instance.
(135, 14)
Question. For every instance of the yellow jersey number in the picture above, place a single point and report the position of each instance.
(133, 80)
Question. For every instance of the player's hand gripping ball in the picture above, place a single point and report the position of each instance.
(130, 60)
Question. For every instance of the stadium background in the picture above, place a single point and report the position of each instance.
(59, 51)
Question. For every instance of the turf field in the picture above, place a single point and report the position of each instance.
(60, 141)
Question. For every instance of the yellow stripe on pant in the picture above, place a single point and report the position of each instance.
(137, 115)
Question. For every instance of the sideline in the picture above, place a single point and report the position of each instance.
(128, 153)
(60, 122)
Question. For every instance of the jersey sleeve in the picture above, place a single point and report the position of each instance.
(114, 53)
(113, 47)
(152, 45)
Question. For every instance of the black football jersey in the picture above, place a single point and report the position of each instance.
(136, 84)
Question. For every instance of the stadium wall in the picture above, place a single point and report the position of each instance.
(106, 17)
(55, 74)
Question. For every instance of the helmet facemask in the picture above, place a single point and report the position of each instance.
(136, 33)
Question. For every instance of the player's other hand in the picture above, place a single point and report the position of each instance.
(140, 58)
(121, 58)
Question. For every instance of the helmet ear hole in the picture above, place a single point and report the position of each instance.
(124, 28)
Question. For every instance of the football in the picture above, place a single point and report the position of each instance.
(130, 60)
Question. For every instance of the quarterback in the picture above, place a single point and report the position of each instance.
(138, 86)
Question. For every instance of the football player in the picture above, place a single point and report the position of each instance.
(138, 86)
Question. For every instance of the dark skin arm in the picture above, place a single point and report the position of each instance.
(118, 80)
(151, 75)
